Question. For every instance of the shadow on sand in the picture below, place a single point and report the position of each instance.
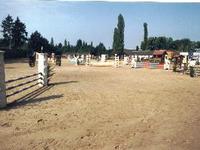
(11, 61)
(60, 83)
(31, 97)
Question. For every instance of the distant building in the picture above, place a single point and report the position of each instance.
(160, 54)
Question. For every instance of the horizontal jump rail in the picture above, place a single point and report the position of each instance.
(50, 75)
(26, 88)
(21, 78)
(51, 68)
(21, 84)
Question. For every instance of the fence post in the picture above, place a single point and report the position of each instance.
(42, 69)
(3, 101)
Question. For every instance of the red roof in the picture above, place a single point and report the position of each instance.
(159, 52)
(177, 55)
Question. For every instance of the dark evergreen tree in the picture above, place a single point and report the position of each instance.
(78, 45)
(91, 44)
(19, 33)
(52, 42)
(35, 41)
(118, 37)
(144, 44)
(100, 49)
(120, 27)
(137, 48)
(40, 44)
(65, 43)
(7, 26)
(115, 41)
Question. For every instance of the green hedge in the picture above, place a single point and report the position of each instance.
(15, 53)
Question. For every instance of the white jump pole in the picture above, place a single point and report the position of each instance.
(87, 60)
(43, 69)
(3, 101)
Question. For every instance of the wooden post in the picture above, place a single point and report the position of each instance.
(3, 101)
(42, 69)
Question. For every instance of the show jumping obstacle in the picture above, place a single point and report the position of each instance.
(40, 78)
(87, 61)
(116, 64)
(103, 57)
(147, 65)
(126, 60)
(42, 69)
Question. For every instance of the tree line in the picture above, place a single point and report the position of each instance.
(151, 43)
(14, 32)
(162, 42)
(84, 47)
(155, 43)
(15, 38)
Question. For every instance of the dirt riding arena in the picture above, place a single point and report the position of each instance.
(104, 108)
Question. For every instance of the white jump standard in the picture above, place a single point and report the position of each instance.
(116, 63)
(42, 69)
(41, 79)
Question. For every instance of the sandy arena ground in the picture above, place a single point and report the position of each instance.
(103, 108)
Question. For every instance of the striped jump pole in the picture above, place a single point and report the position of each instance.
(42, 69)
(3, 101)
(116, 61)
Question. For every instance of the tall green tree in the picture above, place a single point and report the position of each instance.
(79, 44)
(91, 44)
(37, 41)
(100, 49)
(19, 33)
(7, 26)
(115, 40)
(144, 44)
(118, 37)
(52, 42)
(137, 48)
(65, 43)
(120, 27)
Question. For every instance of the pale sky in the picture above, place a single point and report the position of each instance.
(95, 21)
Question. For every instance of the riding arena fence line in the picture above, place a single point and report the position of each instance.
(40, 79)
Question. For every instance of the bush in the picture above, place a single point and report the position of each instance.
(11, 54)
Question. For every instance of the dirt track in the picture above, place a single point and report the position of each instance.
(105, 108)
